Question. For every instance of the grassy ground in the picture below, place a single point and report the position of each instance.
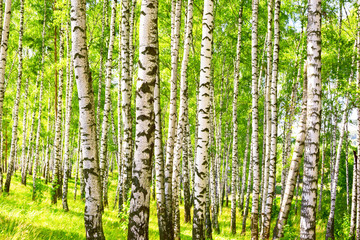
(22, 218)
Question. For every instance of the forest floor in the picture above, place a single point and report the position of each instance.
(22, 218)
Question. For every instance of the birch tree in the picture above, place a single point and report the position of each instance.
(255, 118)
(175, 41)
(68, 109)
(37, 141)
(56, 178)
(92, 215)
(3, 53)
(201, 162)
(138, 227)
(309, 194)
(274, 125)
(235, 126)
(12, 159)
(294, 167)
(126, 85)
(181, 127)
(105, 120)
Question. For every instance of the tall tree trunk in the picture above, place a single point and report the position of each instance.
(181, 127)
(12, 159)
(23, 148)
(101, 65)
(3, 53)
(288, 126)
(322, 170)
(37, 141)
(243, 180)
(105, 120)
(208, 228)
(358, 110)
(267, 116)
(47, 151)
(186, 181)
(201, 163)
(255, 118)
(56, 178)
(120, 129)
(92, 215)
(68, 109)
(175, 39)
(294, 166)
(353, 199)
(159, 161)
(77, 165)
(246, 209)
(347, 167)
(274, 125)
(148, 58)
(126, 86)
(313, 122)
(235, 126)
(330, 223)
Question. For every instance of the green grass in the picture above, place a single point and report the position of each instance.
(22, 218)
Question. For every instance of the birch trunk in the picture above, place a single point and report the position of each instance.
(68, 109)
(98, 104)
(77, 166)
(255, 118)
(243, 180)
(56, 178)
(294, 166)
(159, 161)
(47, 151)
(126, 86)
(37, 141)
(12, 159)
(186, 181)
(249, 181)
(313, 122)
(23, 148)
(330, 223)
(288, 129)
(322, 172)
(353, 199)
(175, 38)
(347, 167)
(3, 53)
(92, 215)
(267, 117)
(235, 126)
(181, 127)
(201, 163)
(120, 129)
(358, 110)
(107, 106)
(274, 125)
(138, 227)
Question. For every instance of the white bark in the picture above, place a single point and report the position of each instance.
(175, 38)
(12, 159)
(105, 120)
(92, 215)
(148, 60)
(3, 53)
(68, 109)
(313, 122)
(201, 163)
(255, 119)
(37, 141)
